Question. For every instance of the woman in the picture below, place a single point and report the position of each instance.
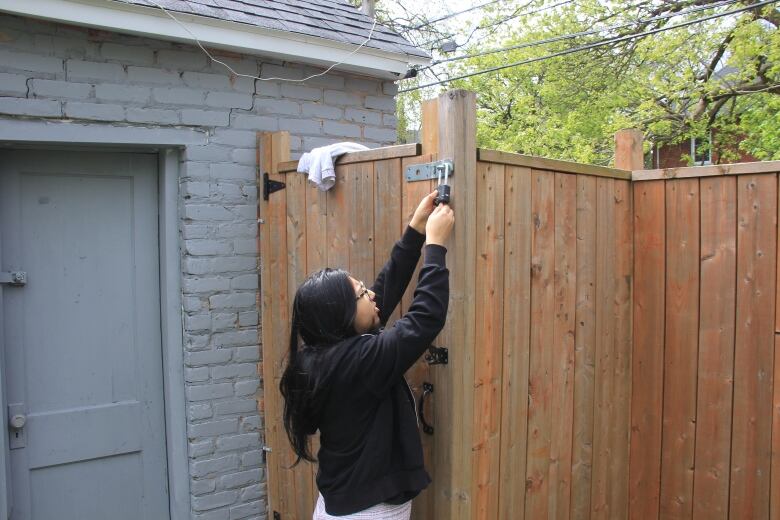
(344, 375)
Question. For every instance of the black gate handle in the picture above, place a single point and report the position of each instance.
(427, 389)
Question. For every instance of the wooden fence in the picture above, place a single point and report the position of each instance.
(610, 333)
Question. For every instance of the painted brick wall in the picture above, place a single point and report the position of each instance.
(55, 71)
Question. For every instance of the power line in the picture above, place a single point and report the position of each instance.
(451, 15)
(581, 33)
(215, 60)
(516, 15)
(592, 45)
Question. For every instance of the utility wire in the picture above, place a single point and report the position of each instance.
(578, 34)
(451, 15)
(228, 67)
(592, 45)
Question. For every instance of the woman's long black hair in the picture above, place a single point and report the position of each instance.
(323, 314)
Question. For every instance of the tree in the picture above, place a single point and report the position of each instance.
(721, 74)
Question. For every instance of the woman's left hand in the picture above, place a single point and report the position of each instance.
(421, 214)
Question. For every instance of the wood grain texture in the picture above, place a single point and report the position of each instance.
(717, 170)
(716, 347)
(603, 413)
(488, 356)
(301, 491)
(457, 140)
(584, 349)
(275, 321)
(680, 363)
(622, 348)
(562, 347)
(553, 165)
(753, 358)
(648, 353)
(774, 501)
(538, 486)
(516, 334)
(376, 154)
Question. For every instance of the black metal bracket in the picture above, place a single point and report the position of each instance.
(427, 390)
(277, 516)
(437, 356)
(270, 186)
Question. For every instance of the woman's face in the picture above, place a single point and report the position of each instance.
(367, 314)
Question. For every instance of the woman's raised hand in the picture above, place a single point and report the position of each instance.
(422, 213)
(439, 224)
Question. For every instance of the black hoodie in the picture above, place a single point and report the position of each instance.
(370, 449)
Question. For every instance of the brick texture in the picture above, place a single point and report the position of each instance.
(126, 80)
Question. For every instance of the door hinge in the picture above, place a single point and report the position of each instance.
(270, 186)
(277, 516)
(17, 278)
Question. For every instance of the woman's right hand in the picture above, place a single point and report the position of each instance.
(439, 225)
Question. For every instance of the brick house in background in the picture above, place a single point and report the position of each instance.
(128, 354)
(697, 149)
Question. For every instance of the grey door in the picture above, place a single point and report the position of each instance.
(82, 341)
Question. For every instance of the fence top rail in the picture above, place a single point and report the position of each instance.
(707, 171)
(375, 154)
(542, 163)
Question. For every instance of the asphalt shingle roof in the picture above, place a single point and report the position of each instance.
(330, 19)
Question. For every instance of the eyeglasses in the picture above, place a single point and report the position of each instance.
(363, 291)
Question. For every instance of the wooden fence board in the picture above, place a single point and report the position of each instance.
(542, 312)
(300, 493)
(338, 224)
(552, 165)
(360, 202)
(562, 347)
(774, 513)
(412, 193)
(603, 412)
(489, 357)
(316, 259)
(753, 358)
(682, 329)
(275, 327)
(387, 215)
(648, 354)
(623, 340)
(516, 334)
(585, 341)
(716, 348)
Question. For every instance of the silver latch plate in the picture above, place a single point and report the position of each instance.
(427, 171)
(13, 278)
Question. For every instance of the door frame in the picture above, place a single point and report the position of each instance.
(168, 144)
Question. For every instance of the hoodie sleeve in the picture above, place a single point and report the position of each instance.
(385, 357)
(392, 281)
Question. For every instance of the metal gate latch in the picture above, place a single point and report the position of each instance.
(428, 171)
(14, 278)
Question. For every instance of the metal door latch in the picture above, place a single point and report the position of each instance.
(17, 278)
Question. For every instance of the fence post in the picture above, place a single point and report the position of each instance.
(449, 132)
(628, 149)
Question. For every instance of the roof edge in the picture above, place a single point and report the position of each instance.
(219, 34)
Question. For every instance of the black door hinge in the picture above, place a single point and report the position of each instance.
(270, 186)
(437, 356)
(277, 516)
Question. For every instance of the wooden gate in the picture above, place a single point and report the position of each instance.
(353, 226)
